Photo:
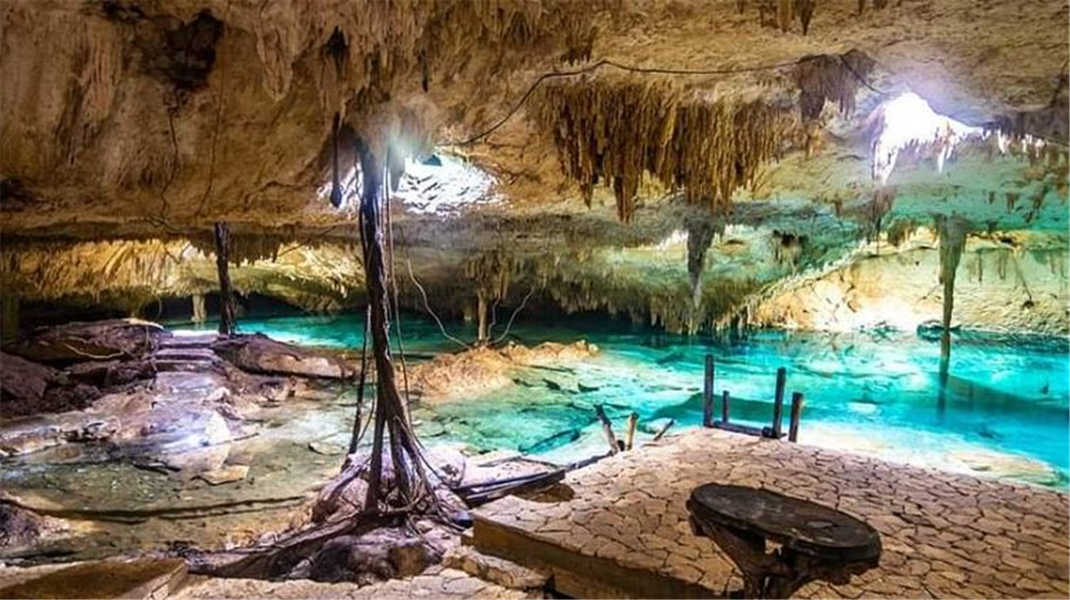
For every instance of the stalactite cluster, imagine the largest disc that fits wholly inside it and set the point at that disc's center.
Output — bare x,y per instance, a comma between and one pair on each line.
617,131
781,14
830,78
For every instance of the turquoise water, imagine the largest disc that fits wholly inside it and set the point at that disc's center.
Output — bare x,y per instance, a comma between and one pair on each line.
1004,412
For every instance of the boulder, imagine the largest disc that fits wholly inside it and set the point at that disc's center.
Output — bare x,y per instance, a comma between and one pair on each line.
187,438
375,556
28,388
225,474
18,526
95,340
258,353
109,373
24,380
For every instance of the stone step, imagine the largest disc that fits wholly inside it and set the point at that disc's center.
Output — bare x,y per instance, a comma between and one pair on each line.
186,353
169,365
202,381
141,579
189,341
493,569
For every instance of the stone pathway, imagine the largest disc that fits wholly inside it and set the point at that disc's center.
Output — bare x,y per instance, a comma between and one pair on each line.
944,535
191,353
100,580
445,584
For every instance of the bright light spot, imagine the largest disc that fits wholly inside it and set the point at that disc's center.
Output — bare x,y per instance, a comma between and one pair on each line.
909,121
444,185
349,183
676,238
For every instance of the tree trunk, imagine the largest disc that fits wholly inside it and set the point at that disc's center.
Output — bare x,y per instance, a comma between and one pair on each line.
226,294
390,418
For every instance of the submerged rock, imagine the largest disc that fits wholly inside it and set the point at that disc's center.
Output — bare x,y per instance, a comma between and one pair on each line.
475,372
225,474
183,438
258,353
1010,466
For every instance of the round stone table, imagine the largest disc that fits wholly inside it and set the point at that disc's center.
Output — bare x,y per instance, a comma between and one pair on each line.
811,541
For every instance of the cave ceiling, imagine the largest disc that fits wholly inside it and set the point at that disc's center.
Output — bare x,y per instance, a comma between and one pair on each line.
152,120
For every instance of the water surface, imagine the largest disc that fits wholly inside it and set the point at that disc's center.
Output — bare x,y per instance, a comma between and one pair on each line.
1003,412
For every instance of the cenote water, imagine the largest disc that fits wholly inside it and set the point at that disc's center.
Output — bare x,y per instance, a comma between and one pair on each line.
1004,411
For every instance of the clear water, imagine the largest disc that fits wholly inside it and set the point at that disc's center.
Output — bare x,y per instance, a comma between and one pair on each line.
1004,412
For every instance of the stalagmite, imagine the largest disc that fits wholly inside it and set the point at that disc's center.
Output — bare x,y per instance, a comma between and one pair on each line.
200,313
226,293
482,335
952,233
9,316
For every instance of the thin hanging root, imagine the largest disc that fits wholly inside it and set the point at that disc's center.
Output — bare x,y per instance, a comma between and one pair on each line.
617,130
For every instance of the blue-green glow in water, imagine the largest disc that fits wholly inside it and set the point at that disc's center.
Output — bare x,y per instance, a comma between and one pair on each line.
1004,412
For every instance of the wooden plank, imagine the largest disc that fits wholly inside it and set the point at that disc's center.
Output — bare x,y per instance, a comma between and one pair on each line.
607,429
629,438
739,428
664,428
724,407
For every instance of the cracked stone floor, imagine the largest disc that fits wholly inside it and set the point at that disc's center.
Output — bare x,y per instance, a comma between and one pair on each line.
944,535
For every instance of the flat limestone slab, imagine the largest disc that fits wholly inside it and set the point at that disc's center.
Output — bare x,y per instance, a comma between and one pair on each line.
105,579
625,531
445,584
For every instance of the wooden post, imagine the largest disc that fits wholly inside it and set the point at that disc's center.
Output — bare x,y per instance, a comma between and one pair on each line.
200,313
707,393
9,316
796,414
778,401
607,429
629,438
664,428
724,407
226,294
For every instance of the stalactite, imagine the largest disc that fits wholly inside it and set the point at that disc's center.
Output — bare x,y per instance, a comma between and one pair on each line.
951,232
618,130
830,78
700,235
336,188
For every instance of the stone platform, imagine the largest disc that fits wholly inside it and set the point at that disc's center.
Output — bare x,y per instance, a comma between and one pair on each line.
167,579
619,528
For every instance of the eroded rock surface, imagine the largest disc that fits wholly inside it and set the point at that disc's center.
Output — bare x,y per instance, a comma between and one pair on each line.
455,377
260,354
28,388
95,340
